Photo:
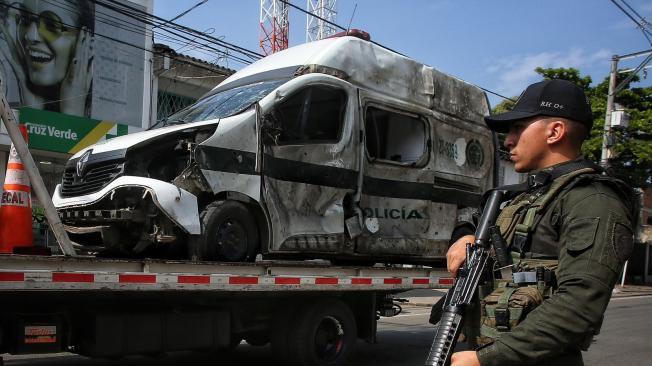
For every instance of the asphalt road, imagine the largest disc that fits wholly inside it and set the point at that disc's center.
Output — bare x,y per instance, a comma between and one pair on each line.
405,340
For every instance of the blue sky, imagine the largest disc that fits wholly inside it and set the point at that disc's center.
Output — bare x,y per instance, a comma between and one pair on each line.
494,44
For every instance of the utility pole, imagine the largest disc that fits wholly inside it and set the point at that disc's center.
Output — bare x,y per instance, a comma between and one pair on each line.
607,140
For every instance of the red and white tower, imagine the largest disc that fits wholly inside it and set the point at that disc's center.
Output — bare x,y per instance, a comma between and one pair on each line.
316,28
274,26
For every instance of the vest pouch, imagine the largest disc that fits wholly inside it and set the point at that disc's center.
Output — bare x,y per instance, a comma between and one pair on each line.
504,308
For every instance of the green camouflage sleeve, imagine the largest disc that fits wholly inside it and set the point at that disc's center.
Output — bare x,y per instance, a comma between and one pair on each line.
595,239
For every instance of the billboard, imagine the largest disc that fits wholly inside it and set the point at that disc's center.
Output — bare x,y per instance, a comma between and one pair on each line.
73,57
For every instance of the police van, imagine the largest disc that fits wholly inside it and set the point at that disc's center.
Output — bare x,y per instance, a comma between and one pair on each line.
336,149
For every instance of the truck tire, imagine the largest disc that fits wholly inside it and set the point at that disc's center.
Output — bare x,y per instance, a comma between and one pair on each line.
228,232
324,334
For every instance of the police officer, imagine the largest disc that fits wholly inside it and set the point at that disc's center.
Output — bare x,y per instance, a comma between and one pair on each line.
587,226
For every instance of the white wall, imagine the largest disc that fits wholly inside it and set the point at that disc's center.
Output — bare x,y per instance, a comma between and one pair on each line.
148,86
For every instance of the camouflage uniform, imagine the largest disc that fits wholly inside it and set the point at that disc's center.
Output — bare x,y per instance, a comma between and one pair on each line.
588,227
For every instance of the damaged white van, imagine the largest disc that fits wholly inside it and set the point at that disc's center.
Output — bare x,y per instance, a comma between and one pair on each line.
337,149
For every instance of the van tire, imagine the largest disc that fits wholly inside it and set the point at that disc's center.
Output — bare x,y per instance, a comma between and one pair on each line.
228,232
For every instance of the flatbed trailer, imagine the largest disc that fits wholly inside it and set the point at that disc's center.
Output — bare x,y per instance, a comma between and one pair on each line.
311,312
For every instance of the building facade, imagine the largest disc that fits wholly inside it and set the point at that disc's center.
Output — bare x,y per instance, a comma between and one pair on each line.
127,84
180,80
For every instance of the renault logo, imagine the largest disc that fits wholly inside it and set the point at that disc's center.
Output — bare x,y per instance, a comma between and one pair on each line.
81,163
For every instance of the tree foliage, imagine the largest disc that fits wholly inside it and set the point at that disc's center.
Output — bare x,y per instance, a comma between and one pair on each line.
633,145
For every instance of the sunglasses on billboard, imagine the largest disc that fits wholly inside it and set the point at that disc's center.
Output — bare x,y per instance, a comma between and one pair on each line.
48,24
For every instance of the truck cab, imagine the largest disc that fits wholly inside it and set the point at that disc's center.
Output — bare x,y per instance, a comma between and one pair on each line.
337,149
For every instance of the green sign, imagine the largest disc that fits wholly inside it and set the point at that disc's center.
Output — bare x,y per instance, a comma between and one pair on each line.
59,132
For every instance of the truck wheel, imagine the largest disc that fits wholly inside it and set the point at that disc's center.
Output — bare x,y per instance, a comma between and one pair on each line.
228,232
325,334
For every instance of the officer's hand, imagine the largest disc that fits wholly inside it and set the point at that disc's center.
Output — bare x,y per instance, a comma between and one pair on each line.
466,358
457,253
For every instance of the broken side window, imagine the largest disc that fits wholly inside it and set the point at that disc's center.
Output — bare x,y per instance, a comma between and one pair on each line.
313,115
395,137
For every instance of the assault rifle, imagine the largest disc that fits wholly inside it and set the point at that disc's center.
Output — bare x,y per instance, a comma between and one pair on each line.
466,283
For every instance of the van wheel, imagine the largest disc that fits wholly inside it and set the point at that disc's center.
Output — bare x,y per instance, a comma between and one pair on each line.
228,232
325,334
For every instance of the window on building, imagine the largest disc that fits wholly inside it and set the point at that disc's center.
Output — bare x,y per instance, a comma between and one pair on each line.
395,137
169,103
313,115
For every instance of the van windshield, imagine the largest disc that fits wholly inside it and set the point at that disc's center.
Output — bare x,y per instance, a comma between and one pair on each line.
223,104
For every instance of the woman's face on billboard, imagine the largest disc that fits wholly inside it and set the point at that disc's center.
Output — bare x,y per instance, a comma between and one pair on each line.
48,34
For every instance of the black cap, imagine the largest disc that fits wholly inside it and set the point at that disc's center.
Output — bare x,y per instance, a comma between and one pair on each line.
554,98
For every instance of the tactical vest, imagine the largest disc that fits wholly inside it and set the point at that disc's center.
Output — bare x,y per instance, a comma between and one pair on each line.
506,302
518,220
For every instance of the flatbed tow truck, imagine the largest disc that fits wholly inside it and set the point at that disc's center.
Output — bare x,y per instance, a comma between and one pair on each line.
311,312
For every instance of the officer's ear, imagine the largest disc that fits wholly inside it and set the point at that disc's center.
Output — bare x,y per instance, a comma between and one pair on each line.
556,131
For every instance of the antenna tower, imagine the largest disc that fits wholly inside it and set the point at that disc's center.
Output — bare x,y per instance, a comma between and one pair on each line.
316,28
274,26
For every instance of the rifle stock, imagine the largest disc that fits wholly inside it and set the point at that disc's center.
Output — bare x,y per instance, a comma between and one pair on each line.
466,283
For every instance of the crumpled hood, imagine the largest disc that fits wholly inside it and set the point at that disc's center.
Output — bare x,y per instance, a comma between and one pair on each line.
127,141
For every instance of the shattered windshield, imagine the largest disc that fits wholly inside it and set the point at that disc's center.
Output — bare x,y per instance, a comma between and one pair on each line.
223,104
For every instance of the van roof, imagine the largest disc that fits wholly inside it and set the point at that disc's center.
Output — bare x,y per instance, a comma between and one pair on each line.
376,68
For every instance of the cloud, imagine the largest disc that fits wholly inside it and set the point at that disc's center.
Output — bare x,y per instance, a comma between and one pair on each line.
517,71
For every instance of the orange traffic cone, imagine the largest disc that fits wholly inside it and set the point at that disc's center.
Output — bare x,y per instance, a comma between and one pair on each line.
16,205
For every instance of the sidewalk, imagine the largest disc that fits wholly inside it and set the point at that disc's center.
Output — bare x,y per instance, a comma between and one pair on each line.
426,299
631,290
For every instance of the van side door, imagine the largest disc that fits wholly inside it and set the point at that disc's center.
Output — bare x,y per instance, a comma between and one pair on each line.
310,163
398,191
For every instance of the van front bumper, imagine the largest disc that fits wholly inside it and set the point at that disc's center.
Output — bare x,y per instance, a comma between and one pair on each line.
177,204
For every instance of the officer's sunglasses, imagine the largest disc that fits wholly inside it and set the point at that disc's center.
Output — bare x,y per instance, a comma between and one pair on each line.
49,24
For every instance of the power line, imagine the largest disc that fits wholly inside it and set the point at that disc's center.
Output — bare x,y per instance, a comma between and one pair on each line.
642,26
496,94
119,41
139,29
233,47
378,44
122,24
314,15
635,12
187,11
335,25
149,22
